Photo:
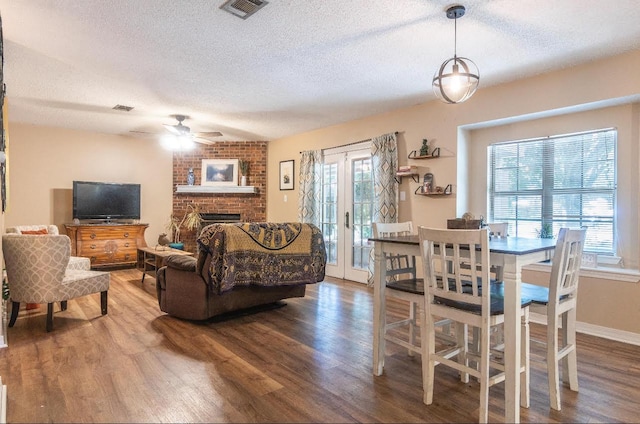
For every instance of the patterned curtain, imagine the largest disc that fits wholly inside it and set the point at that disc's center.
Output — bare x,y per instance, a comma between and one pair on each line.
309,200
384,155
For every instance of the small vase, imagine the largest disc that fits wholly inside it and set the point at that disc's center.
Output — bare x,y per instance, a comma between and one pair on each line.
191,178
243,180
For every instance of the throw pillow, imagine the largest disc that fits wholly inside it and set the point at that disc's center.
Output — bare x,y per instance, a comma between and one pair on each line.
35,232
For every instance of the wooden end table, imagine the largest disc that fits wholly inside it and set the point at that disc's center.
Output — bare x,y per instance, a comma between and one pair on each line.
150,258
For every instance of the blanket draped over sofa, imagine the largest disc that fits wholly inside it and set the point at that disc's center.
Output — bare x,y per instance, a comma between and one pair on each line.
263,253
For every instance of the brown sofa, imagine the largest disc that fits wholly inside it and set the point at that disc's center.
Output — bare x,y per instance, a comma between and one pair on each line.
185,288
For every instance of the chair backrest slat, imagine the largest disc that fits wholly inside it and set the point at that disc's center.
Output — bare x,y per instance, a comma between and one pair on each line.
567,258
396,264
446,255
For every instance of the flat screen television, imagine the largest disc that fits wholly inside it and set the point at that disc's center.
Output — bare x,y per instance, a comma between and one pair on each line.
105,201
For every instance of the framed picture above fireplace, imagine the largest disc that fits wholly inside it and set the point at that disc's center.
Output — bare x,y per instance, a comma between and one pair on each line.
219,172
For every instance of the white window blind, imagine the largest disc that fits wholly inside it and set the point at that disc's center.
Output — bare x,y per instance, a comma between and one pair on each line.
544,184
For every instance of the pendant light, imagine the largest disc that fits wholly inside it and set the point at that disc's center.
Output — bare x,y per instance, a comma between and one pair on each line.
458,78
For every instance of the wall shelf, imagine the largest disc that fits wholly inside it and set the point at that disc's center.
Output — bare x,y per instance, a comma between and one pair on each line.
447,191
414,176
435,154
199,189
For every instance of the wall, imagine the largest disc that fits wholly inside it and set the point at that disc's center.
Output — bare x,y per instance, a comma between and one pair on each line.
563,94
251,207
44,161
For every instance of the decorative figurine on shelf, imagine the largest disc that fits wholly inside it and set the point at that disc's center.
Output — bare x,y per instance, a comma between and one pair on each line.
427,186
424,150
191,178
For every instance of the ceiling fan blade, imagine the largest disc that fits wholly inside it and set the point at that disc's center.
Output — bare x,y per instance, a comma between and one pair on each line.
172,129
209,134
135,133
203,140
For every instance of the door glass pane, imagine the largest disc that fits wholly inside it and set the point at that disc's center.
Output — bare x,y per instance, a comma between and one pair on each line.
330,211
362,211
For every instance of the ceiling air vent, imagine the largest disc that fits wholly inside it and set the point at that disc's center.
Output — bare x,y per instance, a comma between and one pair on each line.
123,108
243,8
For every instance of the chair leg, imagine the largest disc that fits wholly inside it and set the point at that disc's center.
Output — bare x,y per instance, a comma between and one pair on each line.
570,370
525,393
63,305
15,308
49,316
103,302
552,363
428,349
483,368
462,340
412,325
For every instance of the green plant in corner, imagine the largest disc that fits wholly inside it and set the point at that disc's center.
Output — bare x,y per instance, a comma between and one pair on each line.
5,287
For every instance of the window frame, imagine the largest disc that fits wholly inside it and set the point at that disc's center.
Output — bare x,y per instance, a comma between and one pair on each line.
546,190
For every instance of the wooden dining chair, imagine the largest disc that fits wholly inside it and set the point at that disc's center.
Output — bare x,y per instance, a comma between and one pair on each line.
560,299
466,296
498,229
402,283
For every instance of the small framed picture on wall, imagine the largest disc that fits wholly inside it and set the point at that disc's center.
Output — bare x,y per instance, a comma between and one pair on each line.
286,174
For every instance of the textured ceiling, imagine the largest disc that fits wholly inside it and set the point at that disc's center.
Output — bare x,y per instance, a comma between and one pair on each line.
294,66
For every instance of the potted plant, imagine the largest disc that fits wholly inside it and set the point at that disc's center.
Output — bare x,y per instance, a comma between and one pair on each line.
190,221
244,169
546,232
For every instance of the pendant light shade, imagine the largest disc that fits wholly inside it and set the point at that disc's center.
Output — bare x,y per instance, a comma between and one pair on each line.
458,77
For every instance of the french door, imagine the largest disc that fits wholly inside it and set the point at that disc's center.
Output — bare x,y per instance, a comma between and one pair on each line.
347,212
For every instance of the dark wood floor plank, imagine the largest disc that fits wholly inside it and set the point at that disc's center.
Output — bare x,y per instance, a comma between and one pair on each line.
309,361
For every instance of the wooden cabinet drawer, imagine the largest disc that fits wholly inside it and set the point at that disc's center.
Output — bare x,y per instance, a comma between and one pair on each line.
109,251
107,245
108,233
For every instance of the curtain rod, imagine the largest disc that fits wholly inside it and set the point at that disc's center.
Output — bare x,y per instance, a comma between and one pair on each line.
349,144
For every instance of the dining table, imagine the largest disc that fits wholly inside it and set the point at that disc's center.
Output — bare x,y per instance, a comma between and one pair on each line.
510,253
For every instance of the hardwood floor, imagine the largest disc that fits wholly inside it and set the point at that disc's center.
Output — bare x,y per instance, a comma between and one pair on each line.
309,361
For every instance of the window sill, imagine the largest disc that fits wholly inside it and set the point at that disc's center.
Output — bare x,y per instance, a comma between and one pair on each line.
601,272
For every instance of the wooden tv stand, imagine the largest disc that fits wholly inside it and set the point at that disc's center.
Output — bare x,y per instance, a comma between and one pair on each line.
107,245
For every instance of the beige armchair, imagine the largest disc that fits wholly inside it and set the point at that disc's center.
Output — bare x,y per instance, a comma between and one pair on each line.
75,262
37,272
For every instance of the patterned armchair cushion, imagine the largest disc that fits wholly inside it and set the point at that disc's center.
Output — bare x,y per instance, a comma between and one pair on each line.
79,263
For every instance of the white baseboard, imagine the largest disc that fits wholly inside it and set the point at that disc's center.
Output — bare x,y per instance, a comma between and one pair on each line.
595,330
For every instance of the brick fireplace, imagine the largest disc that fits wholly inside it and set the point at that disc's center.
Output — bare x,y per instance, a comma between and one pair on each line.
248,207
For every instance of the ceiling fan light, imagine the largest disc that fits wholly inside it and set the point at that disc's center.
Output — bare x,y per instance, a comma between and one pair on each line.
185,142
177,143
169,142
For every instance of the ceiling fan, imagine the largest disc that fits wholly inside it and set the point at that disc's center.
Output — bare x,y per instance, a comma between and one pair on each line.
180,130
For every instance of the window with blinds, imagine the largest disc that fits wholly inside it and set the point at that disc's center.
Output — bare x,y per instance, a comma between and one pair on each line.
541,185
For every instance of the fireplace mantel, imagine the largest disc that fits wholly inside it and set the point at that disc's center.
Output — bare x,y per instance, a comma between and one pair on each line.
216,189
